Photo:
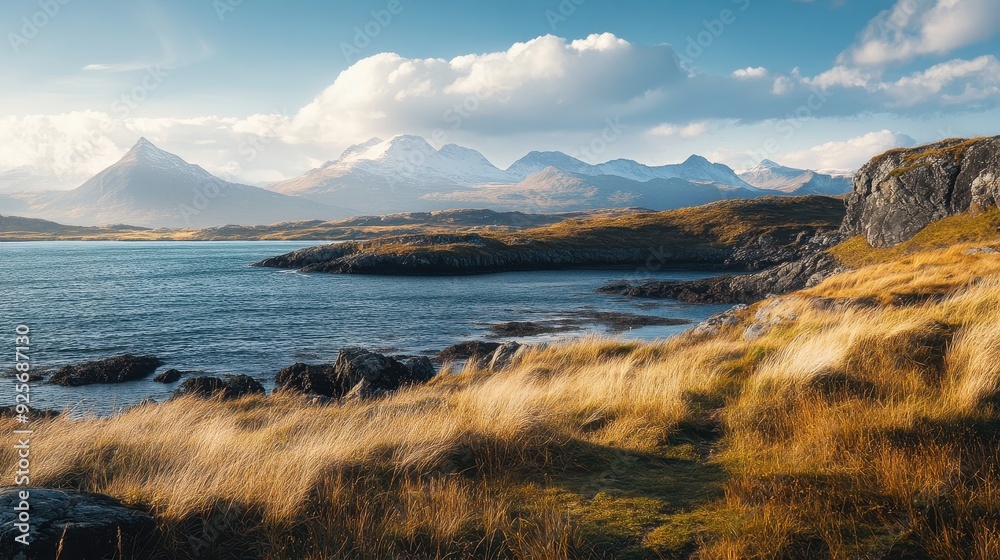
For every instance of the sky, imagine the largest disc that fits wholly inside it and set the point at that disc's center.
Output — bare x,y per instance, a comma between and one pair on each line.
259,91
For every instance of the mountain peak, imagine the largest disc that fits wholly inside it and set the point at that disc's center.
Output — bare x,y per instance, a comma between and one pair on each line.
143,145
145,152
769,164
695,159
358,148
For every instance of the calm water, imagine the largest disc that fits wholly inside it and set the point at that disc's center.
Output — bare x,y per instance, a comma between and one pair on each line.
199,306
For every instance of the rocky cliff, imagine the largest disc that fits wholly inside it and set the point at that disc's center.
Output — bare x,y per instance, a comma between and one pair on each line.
902,191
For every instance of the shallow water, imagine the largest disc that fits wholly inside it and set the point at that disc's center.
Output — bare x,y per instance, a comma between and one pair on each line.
199,306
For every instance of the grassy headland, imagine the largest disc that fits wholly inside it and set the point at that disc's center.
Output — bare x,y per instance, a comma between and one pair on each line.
706,235
14,228
857,424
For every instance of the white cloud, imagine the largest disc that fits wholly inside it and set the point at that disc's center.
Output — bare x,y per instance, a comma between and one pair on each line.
915,28
783,85
841,76
957,81
847,155
535,93
750,73
544,83
692,130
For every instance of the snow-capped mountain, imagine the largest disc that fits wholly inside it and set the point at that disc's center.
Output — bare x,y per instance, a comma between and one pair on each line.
539,161
406,174
153,188
772,176
402,160
555,190
695,169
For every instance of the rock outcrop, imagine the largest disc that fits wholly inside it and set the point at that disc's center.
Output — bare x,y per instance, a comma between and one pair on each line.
475,351
70,524
168,376
111,370
506,356
357,374
307,379
803,272
225,389
902,191
360,373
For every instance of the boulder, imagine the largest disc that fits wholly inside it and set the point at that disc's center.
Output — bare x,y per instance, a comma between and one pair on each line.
421,369
204,387
71,524
506,355
169,376
308,379
380,374
111,370
475,351
902,191
241,386
226,389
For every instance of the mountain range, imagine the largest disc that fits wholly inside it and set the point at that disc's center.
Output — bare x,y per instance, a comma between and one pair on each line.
771,176
152,188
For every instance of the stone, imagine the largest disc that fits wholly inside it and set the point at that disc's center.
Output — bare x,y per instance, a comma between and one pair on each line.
381,374
307,379
169,376
241,386
506,355
85,526
475,351
421,369
204,387
118,369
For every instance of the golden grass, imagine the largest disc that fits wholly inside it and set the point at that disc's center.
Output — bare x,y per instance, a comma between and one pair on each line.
864,424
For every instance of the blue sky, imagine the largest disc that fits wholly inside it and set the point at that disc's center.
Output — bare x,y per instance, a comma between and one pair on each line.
260,91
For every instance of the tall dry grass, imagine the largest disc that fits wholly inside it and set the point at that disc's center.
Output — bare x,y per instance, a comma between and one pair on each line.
860,425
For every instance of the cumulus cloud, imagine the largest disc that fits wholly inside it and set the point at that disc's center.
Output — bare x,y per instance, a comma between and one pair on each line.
953,82
841,76
692,130
545,88
544,83
916,28
849,154
750,73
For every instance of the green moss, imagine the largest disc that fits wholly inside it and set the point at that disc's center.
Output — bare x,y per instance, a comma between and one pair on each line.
953,149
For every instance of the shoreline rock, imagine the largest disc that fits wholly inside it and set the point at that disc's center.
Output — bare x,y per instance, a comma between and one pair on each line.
78,525
118,369
226,389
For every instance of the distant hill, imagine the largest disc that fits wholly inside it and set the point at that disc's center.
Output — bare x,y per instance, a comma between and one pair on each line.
13,228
